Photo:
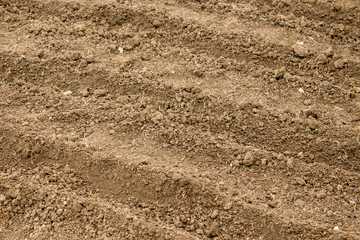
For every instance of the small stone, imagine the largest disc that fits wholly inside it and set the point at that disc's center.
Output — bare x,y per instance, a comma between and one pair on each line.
321,58
279,73
280,157
214,230
214,214
300,154
178,98
329,213
338,64
67,169
300,181
100,93
228,206
287,153
288,76
307,102
66,93
156,23
53,216
84,92
329,52
312,124
264,161
300,202
77,207
59,211
146,56
290,163
112,48
300,50
25,124
249,159
272,204
2,197
15,193
321,194
236,163
357,89
157,117
199,231
41,54
80,27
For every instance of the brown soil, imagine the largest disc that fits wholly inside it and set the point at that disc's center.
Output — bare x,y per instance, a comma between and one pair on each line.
174,119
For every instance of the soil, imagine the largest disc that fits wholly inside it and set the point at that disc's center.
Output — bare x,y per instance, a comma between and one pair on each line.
174,119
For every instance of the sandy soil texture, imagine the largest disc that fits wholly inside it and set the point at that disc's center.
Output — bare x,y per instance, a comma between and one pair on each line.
179,119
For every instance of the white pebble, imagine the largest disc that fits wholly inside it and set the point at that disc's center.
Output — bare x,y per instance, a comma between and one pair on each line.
68,92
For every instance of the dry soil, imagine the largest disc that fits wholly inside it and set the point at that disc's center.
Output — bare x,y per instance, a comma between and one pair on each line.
180,119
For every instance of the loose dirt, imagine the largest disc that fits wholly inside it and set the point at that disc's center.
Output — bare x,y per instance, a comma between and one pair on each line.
201,119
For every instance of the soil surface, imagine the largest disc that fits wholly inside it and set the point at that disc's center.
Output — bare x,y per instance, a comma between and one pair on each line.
180,119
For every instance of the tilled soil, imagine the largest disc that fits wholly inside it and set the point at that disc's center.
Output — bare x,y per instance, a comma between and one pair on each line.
197,119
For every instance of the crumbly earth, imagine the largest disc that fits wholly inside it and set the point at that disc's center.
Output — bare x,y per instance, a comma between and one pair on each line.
174,119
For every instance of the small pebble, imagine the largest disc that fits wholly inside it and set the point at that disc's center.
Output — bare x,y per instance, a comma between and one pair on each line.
300,50
214,214
228,206
329,213
307,102
59,211
156,23
338,64
264,161
157,117
236,163
272,204
290,163
2,197
300,181
66,93
255,110
287,76
321,58
200,231
214,230
249,159
300,202
84,92
321,194
100,93
329,52
279,73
